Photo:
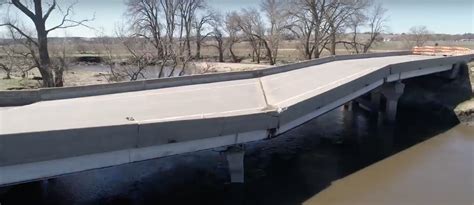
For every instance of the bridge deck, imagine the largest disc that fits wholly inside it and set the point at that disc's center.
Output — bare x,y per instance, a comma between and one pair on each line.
52,138
219,99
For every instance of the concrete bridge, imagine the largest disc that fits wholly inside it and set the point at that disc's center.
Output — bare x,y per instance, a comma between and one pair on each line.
51,132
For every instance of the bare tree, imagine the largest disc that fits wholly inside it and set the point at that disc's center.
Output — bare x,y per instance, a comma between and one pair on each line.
259,36
376,24
311,25
218,35
418,36
199,26
187,11
232,29
373,19
165,24
278,15
39,11
318,23
140,57
251,24
133,66
110,58
60,60
8,64
145,16
338,17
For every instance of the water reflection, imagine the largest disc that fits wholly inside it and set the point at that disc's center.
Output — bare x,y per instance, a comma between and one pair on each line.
285,170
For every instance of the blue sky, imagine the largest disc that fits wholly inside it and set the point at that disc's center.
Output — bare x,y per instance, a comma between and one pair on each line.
440,16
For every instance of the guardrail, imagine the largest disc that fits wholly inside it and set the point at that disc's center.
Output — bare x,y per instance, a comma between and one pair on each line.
24,97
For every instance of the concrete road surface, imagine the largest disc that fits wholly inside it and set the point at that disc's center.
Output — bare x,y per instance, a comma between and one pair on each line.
219,99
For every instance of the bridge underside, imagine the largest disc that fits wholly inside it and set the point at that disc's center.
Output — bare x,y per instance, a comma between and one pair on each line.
73,135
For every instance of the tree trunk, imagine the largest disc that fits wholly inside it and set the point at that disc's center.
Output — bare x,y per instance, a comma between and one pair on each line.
198,48
58,73
307,51
45,61
58,78
258,52
232,54
221,55
308,54
7,70
269,52
220,48
317,54
188,37
333,43
188,45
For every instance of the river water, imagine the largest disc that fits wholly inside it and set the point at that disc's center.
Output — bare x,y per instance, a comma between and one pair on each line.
286,170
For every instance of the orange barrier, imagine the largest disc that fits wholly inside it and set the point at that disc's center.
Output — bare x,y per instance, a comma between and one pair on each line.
441,51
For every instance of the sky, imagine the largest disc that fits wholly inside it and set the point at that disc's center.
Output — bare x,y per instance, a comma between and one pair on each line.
440,16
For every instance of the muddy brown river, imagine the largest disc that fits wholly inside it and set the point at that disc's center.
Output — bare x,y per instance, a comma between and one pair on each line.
290,169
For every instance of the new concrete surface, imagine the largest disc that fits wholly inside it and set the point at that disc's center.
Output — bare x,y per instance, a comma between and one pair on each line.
169,104
222,99
286,89
436,172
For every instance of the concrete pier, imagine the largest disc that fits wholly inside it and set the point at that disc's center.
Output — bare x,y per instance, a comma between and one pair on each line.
235,160
375,98
392,92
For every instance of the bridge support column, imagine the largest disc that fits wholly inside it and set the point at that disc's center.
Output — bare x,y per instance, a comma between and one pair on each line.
392,93
375,98
235,160
370,102
455,71
347,106
352,105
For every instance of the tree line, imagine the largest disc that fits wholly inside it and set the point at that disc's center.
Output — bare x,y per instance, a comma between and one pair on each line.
171,33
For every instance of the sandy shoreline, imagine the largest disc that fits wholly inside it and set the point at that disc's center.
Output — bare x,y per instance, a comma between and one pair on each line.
465,112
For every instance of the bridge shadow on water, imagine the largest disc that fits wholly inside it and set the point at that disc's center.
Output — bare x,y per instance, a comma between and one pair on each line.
286,170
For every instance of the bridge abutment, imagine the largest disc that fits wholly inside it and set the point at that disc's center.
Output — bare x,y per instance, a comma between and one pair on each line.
392,92
235,161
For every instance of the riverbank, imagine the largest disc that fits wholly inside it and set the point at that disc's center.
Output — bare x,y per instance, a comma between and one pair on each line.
465,111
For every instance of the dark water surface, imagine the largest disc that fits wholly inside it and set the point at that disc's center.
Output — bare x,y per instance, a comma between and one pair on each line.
286,170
